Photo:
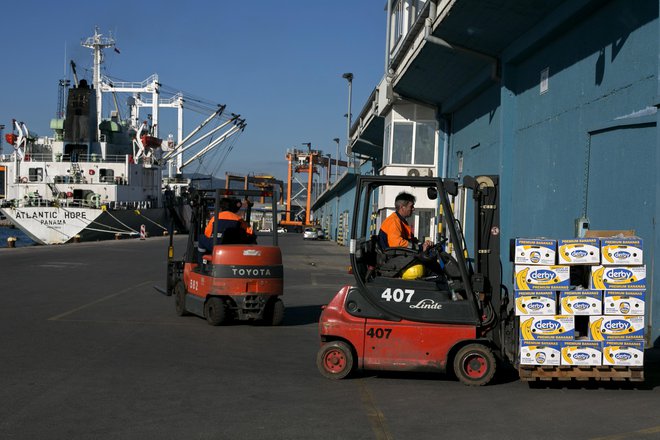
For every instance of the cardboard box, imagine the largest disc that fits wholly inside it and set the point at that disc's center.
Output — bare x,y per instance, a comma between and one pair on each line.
623,353
618,277
553,328
579,251
581,353
624,302
540,352
581,302
604,328
535,303
541,277
535,251
622,251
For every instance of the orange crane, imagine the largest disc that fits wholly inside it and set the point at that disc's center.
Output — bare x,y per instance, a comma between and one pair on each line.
301,161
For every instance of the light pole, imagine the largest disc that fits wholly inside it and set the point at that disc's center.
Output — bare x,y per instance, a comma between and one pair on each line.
349,77
337,163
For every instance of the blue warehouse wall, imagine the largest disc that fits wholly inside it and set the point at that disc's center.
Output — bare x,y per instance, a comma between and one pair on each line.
587,145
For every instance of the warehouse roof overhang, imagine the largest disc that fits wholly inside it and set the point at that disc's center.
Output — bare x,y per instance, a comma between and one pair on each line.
345,182
458,52
367,131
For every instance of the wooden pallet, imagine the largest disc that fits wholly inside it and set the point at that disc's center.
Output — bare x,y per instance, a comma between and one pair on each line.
543,373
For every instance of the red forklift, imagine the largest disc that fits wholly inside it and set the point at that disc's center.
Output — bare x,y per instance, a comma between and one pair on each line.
233,282
454,321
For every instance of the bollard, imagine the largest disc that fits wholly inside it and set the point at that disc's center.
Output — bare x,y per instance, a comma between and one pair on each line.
117,236
143,232
11,242
76,238
165,233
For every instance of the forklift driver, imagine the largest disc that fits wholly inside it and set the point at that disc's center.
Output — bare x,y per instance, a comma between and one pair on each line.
395,232
232,229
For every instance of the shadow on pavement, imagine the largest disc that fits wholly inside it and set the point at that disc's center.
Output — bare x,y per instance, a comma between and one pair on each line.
301,315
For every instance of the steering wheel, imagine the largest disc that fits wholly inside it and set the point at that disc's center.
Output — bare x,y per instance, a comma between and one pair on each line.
432,253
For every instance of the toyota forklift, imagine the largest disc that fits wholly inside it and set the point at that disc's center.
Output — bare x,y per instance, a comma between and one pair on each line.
233,282
453,321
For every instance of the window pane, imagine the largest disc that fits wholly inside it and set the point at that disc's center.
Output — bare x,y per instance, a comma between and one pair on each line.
386,147
425,143
402,143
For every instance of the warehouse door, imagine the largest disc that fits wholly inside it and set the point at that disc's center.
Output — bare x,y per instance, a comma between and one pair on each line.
621,190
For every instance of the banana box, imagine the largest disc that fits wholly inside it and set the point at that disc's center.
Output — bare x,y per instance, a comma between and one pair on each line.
544,328
624,302
535,251
541,277
623,353
618,277
605,328
581,353
579,251
535,303
540,352
581,302
621,251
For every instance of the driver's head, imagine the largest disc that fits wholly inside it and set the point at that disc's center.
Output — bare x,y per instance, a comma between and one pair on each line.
404,204
230,204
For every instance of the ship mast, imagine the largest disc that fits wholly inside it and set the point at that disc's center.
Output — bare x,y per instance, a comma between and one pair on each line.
97,43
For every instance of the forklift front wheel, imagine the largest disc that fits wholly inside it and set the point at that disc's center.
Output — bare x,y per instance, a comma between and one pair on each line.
215,311
474,365
335,360
180,298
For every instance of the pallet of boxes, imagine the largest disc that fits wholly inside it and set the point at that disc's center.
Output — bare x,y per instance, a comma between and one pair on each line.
580,306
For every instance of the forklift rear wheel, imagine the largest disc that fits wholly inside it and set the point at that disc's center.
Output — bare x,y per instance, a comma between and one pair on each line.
180,298
275,312
215,310
474,365
335,360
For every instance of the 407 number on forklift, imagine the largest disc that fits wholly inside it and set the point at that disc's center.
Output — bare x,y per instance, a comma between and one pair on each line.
379,333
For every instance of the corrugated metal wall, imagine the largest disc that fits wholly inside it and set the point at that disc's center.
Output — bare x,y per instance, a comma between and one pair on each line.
585,146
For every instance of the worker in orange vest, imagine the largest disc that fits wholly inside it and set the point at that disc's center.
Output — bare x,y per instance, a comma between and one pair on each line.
395,230
231,229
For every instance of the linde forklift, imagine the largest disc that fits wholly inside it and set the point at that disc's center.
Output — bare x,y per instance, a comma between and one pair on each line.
454,321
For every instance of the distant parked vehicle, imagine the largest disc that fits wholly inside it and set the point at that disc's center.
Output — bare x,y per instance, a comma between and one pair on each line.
320,234
281,230
265,230
310,234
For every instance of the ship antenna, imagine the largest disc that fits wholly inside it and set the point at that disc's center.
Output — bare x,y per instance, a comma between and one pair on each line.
97,43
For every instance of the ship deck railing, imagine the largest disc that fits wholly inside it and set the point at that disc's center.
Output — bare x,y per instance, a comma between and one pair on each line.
78,203
57,157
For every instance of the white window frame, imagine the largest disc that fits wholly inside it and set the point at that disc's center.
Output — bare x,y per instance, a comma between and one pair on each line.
388,141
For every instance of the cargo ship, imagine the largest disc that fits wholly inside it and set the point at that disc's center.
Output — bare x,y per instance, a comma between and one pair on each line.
98,178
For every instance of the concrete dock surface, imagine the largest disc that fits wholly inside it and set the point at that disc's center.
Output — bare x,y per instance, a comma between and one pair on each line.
90,350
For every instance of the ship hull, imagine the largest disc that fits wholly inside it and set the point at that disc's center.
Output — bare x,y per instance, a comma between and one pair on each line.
58,225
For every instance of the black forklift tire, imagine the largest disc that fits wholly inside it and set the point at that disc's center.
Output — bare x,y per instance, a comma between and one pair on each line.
276,312
335,360
215,311
180,298
475,365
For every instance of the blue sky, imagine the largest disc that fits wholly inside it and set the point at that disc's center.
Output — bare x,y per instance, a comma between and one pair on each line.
277,63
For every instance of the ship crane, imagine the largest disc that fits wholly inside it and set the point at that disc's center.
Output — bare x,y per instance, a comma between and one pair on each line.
238,126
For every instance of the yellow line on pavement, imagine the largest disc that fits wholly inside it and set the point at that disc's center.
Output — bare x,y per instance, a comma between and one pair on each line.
631,435
100,300
376,417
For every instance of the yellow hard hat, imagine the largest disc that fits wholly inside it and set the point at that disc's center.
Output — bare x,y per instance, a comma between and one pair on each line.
414,272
